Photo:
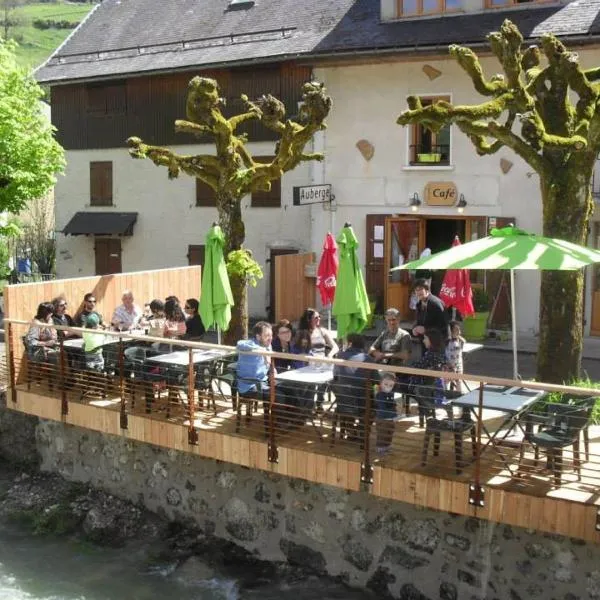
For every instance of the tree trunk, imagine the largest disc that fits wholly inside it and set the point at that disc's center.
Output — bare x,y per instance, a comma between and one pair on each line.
567,206
230,220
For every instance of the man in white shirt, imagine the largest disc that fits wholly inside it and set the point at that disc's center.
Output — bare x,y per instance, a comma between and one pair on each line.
127,314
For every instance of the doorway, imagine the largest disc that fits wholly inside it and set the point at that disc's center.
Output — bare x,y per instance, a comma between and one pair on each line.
108,256
439,235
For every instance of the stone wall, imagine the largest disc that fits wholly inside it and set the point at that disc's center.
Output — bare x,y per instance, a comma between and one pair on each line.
395,549
17,436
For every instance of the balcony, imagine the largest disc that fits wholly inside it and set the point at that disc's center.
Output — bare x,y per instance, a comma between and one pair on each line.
476,465
428,155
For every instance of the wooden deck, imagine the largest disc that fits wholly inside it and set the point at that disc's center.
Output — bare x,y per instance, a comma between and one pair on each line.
527,499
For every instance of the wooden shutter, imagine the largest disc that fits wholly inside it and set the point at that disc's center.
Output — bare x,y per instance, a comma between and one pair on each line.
101,183
205,195
270,199
108,256
196,254
374,264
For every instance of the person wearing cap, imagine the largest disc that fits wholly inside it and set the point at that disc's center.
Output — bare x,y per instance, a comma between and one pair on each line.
92,343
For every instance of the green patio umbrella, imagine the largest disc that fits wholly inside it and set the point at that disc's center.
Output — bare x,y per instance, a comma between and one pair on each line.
510,248
351,304
216,298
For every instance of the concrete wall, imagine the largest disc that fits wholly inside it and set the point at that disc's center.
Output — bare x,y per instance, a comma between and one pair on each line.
168,219
395,549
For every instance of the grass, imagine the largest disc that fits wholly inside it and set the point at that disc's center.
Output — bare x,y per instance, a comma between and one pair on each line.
36,45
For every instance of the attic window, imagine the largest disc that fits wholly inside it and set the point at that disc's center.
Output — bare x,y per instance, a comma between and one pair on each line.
240,4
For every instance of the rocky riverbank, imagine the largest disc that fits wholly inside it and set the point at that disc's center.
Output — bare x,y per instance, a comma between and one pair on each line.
50,506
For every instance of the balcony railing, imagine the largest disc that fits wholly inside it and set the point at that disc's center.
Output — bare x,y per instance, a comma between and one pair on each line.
429,155
481,446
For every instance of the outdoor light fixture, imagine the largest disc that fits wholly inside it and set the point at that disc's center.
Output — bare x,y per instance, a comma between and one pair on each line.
461,204
415,202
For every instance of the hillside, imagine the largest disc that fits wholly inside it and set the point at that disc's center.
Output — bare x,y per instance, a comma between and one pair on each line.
35,45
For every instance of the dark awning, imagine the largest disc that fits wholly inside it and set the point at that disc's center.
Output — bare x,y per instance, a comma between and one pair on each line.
101,223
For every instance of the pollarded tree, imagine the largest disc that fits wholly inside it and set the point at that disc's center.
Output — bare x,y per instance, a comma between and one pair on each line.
232,172
544,108
30,157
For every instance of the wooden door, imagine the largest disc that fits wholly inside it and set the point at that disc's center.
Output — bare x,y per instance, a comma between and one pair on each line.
108,256
404,241
374,255
295,290
271,309
595,322
196,253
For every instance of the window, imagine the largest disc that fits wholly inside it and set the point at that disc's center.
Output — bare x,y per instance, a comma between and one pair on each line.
501,3
427,148
195,254
270,199
414,8
205,195
101,183
106,99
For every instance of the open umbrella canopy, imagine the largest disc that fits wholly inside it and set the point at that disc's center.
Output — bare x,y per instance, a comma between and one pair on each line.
351,304
456,288
510,248
327,271
216,298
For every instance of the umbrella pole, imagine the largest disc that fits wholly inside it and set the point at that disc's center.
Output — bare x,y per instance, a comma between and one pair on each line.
513,308
218,335
329,318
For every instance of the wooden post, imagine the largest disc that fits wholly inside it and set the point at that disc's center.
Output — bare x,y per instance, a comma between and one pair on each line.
366,469
192,433
476,491
124,420
11,363
272,446
64,404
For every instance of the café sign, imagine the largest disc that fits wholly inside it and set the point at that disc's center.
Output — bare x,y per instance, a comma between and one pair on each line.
441,193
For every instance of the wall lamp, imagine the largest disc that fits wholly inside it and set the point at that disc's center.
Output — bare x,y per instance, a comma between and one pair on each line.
414,202
461,204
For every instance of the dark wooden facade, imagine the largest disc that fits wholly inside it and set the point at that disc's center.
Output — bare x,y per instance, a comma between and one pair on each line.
105,114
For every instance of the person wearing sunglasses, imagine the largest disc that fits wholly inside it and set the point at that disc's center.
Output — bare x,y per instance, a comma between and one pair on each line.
89,307
61,317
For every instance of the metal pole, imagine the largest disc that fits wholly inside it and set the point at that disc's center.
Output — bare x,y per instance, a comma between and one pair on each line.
513,308
476,492
192,433
64,405
124,422
11,364
366,471
273,453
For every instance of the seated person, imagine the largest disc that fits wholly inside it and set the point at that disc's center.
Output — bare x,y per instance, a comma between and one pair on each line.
350,386
128,314
194,328
60,317
155,323
253,369
89,307
393,345
146,314
92,344
41,341
283,342
174,319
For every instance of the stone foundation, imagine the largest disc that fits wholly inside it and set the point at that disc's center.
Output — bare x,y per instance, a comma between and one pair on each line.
396,550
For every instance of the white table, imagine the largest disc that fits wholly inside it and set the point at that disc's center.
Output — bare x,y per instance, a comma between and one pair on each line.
77,343
181,358
469,347
309,375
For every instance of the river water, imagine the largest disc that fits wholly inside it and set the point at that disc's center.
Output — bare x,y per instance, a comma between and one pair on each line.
50,568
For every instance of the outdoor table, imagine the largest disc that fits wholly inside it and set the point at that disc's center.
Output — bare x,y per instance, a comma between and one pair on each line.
309,375
514,402
469,347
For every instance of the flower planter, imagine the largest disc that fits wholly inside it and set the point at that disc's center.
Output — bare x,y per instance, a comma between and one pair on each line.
475,327
429,158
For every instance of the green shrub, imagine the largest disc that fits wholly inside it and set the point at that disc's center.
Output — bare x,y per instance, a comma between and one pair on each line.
560,398
481,300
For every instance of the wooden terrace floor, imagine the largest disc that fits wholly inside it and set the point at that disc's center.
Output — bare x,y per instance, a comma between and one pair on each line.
527,499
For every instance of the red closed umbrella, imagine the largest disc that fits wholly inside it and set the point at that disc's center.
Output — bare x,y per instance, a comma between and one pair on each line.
327,271
456,288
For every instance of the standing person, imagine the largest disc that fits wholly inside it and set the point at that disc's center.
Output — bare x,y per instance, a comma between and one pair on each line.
60,317
393,346
321,342
128,314
385,413
454,354
92,344
431,312
41,340
89,307
194,327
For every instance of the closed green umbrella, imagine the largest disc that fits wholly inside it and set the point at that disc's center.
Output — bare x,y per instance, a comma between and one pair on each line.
351,304
510,248
216,298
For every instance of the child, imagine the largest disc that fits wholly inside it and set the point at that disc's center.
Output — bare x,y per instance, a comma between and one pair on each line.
92,344
454,354
385,413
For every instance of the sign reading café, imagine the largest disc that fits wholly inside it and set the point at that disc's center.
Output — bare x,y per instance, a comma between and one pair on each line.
441,193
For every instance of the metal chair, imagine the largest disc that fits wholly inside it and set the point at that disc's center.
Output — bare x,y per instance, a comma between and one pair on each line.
565,425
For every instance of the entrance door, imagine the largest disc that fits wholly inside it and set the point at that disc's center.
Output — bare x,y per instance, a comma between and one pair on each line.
404,241
293,289
271,309
108,256
595,325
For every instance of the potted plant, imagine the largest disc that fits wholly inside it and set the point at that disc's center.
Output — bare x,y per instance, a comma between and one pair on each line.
429,157
475,326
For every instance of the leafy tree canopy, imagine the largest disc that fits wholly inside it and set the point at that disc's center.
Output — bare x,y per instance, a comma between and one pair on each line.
30,157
